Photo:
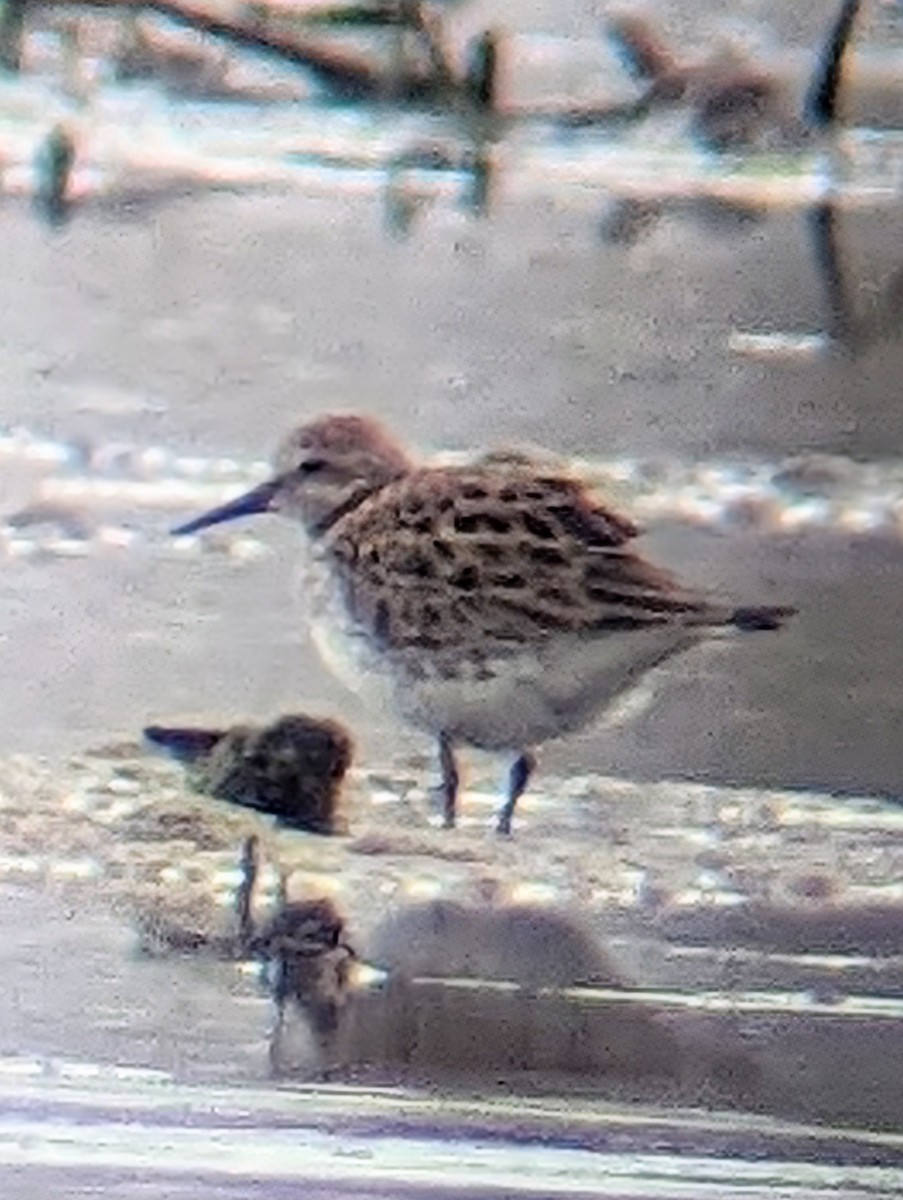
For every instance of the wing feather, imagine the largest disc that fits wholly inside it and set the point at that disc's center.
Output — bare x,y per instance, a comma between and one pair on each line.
497,552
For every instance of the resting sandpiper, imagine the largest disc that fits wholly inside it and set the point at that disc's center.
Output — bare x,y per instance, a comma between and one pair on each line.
292,769
498,605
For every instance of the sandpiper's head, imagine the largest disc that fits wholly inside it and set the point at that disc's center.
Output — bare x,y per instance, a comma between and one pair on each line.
323,470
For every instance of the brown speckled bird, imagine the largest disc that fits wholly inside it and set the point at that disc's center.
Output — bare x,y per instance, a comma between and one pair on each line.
499,604
292,769
735,104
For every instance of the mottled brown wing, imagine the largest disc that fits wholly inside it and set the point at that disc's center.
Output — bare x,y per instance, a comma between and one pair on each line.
496,552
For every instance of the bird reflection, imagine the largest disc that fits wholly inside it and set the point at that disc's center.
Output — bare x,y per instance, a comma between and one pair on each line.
307,960
627,221
852,331
54,163
847,329
408,193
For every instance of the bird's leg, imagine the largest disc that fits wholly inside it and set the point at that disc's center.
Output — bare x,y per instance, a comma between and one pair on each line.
450,780
277,1063
248,865
277,1034
521,771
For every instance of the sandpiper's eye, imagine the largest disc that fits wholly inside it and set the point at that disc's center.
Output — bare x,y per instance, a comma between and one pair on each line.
310,466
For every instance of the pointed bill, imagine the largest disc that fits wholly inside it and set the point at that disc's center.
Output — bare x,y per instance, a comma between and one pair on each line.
258,500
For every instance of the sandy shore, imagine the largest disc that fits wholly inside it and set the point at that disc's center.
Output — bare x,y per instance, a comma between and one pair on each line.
691,913
709,930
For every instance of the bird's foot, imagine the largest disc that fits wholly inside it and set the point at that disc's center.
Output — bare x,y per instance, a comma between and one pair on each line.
503,824
439,806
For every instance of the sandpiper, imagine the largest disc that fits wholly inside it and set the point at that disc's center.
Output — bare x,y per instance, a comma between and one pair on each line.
736,104
292,769
498,605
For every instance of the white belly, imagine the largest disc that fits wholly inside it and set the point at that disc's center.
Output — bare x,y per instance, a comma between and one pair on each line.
344,650
536,696
522,699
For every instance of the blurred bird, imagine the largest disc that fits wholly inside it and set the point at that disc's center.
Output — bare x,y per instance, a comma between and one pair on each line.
735,104
292,769
307,958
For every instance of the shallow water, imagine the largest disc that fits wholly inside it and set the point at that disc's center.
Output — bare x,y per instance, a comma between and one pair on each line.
231,270
210,330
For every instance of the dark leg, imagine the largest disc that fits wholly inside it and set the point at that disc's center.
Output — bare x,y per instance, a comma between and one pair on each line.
450,780
12,28
248,865
820,108
277,1062
517,785
279,984
830,261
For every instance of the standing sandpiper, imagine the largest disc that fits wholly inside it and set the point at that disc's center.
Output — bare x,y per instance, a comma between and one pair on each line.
498,604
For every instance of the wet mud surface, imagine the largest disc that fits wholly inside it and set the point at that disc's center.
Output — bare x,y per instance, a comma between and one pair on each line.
724,868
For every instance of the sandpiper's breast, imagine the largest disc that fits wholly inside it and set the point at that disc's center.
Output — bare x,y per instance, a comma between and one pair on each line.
343,646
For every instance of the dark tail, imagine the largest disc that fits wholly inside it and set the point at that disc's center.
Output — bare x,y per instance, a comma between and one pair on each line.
185,745
760,617
820,106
